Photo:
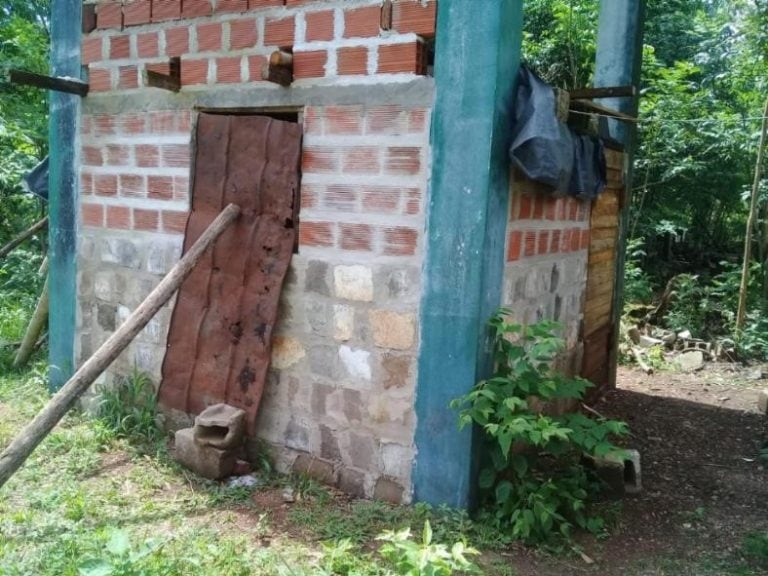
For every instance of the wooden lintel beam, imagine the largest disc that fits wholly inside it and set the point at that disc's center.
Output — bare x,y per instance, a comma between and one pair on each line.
68,85
592,108
170,81
606,92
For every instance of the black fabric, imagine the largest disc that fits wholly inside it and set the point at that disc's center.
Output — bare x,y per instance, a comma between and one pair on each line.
546,150
36,181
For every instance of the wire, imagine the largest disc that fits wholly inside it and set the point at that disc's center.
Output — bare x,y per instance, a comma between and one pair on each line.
673,120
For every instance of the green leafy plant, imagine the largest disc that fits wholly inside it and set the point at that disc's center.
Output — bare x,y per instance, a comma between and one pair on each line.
129,408
425,558
119,557
532,477
638,287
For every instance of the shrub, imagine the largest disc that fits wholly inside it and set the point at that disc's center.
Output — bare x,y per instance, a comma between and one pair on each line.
532,476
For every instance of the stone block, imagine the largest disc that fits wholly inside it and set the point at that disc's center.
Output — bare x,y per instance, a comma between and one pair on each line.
762,401
352,405
314,468
396,460
357,363
122,252
362,451
324,361
392,329
316,280
398,283
329,444
105,316
221,426
343,322
620,475
320,393
388,490
206,461
286,352
318,315
297,436
397,370
353,283
103,286
352,482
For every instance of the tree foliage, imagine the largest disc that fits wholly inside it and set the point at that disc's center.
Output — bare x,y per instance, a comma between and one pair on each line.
24,43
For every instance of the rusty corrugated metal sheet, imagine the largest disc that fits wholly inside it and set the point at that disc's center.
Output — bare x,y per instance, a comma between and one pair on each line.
220,339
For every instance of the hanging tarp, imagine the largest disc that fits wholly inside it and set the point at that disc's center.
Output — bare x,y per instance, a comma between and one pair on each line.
36,180
546,150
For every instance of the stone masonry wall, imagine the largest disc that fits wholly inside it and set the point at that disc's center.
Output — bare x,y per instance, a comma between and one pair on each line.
546,263
339,400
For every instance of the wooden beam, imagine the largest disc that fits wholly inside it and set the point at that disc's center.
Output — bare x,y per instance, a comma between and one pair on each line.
592,108
280,68
170,81
386,15
68,85
89,18
27,440
607,92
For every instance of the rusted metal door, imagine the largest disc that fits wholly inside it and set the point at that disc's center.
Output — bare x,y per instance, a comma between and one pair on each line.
219,343
601,276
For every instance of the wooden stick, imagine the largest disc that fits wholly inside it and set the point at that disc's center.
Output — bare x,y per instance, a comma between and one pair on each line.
741,312
605,92
27,440
68,85
13,244
640,362
170,81
34,329
592,108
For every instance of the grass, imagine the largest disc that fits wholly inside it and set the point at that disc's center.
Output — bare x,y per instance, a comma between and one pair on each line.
90,502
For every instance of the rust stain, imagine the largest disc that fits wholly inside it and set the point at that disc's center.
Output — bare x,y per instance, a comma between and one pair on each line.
220,339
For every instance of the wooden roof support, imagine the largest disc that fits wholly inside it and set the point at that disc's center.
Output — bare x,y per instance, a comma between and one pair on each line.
280,68
592,108
68,85
606,92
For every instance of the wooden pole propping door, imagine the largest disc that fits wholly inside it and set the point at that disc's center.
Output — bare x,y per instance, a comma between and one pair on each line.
220,340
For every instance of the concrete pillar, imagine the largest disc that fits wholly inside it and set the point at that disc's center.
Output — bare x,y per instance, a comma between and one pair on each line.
618,63
619,56
477,61
66,16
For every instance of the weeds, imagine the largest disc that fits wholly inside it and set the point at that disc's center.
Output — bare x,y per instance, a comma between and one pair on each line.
129,409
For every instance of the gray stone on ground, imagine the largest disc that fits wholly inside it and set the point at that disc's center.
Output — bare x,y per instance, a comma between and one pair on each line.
691,361
762,401
221,426
206,461
648,342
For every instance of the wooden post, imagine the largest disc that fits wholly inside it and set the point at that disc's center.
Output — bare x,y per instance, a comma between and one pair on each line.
742,310
27,440
34,329
16,242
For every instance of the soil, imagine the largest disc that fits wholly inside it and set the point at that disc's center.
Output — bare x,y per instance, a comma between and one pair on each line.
704,485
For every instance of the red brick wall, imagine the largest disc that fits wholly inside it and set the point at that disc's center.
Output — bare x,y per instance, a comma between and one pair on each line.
229,41
134,171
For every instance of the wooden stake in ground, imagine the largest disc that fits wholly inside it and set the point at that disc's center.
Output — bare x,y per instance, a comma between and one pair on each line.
27,440
34,329
742,310
13,244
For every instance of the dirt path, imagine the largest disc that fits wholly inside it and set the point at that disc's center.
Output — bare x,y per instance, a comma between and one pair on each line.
705,487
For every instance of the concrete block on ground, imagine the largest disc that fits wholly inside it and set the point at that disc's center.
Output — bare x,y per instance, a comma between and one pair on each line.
762,401
207,461
221,426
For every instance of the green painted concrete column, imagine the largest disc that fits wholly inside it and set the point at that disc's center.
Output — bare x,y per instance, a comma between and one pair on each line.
66,18
618,63
477,61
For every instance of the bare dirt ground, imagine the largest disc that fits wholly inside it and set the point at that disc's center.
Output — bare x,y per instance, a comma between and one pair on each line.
705,487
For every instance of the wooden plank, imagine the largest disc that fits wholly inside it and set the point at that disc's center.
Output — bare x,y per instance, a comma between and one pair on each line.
596,291
21,238
605,255
605,221
170,81
68,85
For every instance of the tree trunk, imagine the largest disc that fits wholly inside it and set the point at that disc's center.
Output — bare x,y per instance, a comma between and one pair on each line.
27,440
742,310
34,329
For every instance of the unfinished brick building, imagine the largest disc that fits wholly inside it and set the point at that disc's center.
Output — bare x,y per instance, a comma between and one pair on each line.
347,307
